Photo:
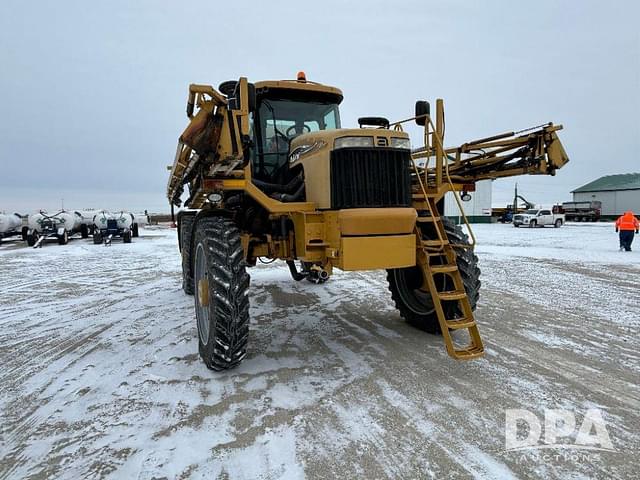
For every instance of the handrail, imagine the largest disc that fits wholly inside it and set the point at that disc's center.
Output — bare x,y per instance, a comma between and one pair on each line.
446,169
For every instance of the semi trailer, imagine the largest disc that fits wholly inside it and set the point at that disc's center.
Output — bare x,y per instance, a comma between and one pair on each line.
582,211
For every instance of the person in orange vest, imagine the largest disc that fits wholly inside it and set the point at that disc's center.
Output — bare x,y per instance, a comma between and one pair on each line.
627,224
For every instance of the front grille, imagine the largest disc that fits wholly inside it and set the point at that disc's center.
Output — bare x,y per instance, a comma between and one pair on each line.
370,177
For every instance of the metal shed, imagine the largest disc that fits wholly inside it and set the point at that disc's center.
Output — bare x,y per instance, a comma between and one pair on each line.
618,193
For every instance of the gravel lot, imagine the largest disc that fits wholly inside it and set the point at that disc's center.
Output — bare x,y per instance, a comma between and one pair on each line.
101,375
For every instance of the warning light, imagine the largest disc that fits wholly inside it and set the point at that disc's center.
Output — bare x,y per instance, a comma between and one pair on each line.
302,77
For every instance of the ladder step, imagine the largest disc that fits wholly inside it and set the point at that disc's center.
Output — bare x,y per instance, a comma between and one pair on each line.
434,243
443,268
468,353
460,323
452,295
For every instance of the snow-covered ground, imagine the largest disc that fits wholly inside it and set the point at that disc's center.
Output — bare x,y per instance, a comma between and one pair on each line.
100,375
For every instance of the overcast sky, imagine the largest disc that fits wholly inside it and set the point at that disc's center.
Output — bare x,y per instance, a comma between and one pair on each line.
93,94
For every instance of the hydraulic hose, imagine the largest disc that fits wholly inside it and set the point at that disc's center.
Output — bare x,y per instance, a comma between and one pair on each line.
297,276
294,197
270,188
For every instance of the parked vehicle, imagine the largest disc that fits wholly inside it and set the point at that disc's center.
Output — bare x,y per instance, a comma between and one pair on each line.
582,211
61,226
10,225
108,225
538,218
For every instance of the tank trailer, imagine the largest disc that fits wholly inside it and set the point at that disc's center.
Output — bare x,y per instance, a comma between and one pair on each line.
60,226
107,225
11,225
270,172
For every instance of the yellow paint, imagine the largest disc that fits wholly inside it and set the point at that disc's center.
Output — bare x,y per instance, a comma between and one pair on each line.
374,253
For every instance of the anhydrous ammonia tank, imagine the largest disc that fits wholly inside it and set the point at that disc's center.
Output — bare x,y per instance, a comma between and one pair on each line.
140,218
100,219
86,216
124,219
86,221
9,223
42,221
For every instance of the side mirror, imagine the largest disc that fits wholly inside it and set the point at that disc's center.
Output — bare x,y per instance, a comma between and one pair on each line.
422,110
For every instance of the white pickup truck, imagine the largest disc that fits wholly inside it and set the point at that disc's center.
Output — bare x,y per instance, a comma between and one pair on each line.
538,218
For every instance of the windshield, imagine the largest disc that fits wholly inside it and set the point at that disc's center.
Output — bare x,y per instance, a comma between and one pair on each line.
280,121
531,212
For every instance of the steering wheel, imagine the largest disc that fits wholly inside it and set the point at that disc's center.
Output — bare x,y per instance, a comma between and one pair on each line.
292,127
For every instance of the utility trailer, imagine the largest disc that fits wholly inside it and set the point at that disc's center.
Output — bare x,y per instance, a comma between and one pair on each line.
268,171
582,211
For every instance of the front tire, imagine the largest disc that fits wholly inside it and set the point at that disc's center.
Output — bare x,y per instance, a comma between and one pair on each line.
558,223
221,293
126,236
84,231
415,305
135,230
97,237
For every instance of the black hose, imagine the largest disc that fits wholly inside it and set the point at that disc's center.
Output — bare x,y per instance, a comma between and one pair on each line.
269,188
297,276
285,197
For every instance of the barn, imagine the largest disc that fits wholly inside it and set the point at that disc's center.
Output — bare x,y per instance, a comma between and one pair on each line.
618,193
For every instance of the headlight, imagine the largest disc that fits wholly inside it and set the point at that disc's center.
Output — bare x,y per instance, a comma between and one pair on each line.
348,142
401,143
215,197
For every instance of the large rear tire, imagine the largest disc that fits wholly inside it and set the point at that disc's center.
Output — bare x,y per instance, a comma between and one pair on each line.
84,231
126,236
135,231
186,230
97,237
222,293
415,305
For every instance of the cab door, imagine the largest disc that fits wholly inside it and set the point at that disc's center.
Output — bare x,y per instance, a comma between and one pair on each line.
546,217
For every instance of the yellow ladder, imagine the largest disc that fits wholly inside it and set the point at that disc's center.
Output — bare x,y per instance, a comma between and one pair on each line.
442,250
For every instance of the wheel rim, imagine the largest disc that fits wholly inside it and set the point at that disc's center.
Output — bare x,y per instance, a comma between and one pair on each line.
202,311
409,282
